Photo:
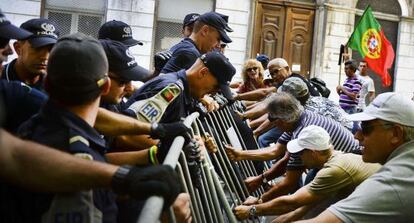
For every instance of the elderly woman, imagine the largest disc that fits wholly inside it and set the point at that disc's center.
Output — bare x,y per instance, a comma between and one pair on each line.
252,75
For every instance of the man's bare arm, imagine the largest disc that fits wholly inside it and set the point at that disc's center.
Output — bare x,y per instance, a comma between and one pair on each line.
255,95
265,154
324,217
45,169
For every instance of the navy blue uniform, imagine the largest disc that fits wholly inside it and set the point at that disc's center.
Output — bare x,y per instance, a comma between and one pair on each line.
58,128
184,55
20,103
181,107
9,73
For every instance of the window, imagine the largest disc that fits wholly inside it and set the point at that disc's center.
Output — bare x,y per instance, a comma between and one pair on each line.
85,16
170,19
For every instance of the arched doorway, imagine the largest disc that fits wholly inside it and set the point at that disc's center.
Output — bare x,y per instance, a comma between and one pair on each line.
390,27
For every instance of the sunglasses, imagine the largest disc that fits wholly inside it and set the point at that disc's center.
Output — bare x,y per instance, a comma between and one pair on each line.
251,69
223,45
367,129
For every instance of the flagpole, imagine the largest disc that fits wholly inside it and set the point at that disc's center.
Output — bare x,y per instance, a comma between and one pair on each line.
341,52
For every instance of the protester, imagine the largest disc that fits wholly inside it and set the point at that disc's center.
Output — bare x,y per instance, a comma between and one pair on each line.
349,91
252,75
388,139
286,113
339,174
367,88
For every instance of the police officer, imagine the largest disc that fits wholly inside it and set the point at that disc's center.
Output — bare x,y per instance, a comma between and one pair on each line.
188,23
76,79
172,96
33,53
209,29
122,70
11,92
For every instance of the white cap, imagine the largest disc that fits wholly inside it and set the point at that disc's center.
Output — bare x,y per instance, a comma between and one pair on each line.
390,107
280,62
312,137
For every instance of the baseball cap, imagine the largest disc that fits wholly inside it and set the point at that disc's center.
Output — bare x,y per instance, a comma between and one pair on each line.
280,62
77,63
222,69
122,62
390,107
10,31
190,19
214,19
226,18
311,137
44,32
119,31
294,86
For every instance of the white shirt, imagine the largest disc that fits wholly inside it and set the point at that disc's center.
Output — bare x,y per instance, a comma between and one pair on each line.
367,86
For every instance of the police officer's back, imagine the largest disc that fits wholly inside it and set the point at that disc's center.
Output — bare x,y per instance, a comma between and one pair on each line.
76,78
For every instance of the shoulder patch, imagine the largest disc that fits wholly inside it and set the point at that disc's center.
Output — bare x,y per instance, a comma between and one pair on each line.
85,156
152,109
79,138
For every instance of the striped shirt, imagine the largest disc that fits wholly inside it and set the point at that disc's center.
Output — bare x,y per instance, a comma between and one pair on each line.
352,85
341,138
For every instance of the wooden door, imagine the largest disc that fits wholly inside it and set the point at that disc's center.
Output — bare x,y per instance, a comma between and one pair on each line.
283,29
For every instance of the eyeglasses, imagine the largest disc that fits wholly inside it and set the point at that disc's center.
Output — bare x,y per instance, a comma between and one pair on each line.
251,69
367,129
223,45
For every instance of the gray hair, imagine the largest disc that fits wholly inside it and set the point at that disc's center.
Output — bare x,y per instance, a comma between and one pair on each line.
408,131
285,107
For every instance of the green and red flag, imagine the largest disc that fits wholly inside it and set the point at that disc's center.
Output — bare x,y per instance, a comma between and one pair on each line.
369,39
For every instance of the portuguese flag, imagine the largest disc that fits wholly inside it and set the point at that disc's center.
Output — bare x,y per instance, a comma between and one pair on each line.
369,39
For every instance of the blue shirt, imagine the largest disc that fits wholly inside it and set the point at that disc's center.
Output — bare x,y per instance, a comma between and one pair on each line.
9,73
184,55
57,128
20,103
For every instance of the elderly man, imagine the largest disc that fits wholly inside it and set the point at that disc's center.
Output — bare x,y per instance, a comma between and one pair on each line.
338,176
387,134
287,114
280,71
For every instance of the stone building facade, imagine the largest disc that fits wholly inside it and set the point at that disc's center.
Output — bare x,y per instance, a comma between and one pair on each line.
152,21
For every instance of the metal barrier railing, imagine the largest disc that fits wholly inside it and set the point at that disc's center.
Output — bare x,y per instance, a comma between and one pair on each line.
220,182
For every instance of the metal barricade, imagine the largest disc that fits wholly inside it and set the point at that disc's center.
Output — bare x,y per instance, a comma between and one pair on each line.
220,182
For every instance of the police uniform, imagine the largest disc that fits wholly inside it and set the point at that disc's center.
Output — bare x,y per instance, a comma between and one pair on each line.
59,128
181,106
9,73
20,103
184,54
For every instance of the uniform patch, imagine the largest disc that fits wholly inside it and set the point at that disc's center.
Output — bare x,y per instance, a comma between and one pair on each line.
152,109
85,156
79,138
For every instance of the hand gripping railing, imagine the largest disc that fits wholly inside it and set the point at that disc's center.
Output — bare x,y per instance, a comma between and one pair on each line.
153,206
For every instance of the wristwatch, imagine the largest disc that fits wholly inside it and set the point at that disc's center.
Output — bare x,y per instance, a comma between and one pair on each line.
264,180
118,182
252,211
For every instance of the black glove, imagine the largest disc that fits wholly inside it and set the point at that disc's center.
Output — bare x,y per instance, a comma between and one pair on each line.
141,183
169,130
161,58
